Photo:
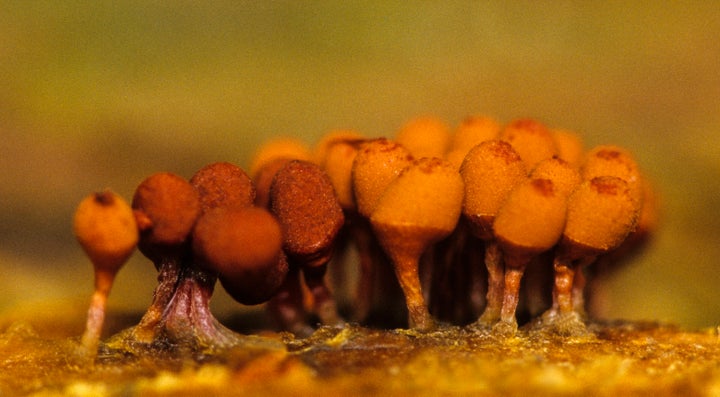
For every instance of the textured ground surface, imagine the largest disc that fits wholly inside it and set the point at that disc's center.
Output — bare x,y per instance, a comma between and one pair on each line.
613,359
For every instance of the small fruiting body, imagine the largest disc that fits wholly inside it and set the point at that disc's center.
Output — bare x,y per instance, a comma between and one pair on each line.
564,175
538,277
305,203
105,227
263,180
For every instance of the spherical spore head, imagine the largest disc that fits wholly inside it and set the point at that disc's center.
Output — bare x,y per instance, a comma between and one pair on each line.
105,227
243,246
166,207
223,184
304,202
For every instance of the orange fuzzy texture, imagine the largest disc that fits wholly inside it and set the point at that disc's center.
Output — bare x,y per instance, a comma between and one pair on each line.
418,208
303,200
601,213
428,194
565,177
280,148
531,140
614,161
471,132
532,218
570,146
490,171
223,185
166,207
647,223
425,137
105,227
378,162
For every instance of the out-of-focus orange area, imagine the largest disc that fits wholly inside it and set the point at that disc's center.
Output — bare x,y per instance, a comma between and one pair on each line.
102,94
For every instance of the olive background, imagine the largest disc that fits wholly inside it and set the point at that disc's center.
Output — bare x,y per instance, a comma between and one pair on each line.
97,94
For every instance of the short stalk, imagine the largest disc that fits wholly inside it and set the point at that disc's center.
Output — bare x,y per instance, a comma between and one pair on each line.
496,282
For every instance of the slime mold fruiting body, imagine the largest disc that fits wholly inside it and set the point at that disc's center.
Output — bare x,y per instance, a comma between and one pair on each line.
522,201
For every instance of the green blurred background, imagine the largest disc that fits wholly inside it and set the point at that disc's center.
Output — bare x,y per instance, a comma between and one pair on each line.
97,94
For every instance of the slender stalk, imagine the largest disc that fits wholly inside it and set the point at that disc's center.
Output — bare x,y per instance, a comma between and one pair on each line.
96,312
496,284
168,276
562,292
287,305
513,276
323,301
406,270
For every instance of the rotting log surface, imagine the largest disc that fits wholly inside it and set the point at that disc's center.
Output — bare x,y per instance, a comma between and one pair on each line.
617,358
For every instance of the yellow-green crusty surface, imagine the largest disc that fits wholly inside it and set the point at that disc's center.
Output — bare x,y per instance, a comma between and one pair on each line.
612,359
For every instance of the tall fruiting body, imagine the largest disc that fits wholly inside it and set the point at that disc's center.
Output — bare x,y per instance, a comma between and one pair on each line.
306,206
453,273
609,160
378,162
529,223
166,207
336,153
190,230
537,282
420,207
601,272
490,171
601,213
106,230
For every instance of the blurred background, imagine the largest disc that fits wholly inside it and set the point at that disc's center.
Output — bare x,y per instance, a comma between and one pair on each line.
97,94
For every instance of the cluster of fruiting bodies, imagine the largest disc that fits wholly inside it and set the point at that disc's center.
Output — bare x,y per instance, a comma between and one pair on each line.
459,215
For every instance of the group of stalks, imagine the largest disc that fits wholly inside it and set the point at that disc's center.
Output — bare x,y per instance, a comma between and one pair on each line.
462,218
